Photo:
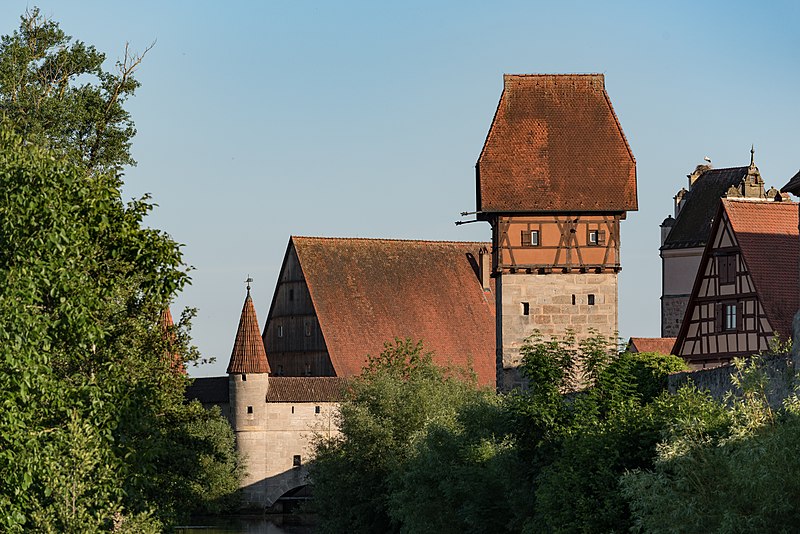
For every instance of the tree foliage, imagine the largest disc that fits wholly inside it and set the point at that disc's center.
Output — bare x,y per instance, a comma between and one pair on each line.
55,93
94,431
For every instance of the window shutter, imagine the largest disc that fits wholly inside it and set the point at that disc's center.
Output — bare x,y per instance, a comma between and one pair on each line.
732,268
526,238
739,318
719,319
601,237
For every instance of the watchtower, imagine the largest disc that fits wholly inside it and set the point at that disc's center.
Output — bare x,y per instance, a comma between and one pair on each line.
248,382
554,179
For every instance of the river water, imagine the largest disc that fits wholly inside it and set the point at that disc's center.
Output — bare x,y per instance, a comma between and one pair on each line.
267,524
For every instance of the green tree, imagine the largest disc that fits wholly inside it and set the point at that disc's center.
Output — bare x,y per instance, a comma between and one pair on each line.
398,397
55,93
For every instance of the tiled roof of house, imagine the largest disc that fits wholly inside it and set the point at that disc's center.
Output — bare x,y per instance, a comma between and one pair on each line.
211,390
369,291
306,389
793,186
555,144
248,355
768,239
166,323
693,224
661,345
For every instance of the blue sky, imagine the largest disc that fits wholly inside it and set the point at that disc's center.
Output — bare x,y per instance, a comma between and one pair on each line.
259,120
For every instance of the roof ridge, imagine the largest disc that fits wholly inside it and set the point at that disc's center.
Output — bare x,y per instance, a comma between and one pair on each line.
551,74
390,239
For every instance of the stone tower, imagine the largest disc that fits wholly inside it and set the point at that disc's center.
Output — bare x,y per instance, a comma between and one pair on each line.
554,179
248,382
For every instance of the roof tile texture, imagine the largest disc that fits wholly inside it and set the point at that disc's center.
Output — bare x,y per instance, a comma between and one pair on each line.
306,389
661,345
768,239
693,225
248,355
366,292
555,144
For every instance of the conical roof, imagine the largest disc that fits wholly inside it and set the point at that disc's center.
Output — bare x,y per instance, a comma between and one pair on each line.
248,355
166,323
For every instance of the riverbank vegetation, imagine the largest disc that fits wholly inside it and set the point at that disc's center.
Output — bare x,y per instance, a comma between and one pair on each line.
622,455
94,431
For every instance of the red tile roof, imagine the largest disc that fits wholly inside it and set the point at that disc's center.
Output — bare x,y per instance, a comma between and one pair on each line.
369,291
166,323
248,355
306,389
555,144
768,239
661,345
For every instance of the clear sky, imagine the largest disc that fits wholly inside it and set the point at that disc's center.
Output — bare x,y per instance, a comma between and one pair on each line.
260,120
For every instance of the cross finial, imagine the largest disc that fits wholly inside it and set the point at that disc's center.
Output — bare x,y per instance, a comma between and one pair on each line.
248,281
752,154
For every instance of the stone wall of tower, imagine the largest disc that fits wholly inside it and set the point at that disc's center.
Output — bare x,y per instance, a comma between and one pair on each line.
673,309
554,303
248,416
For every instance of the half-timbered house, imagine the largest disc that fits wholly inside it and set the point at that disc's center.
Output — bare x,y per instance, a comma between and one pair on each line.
745,292
684,236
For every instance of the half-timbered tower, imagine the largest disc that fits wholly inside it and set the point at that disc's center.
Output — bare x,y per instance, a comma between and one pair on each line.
684,236
745,292
554,179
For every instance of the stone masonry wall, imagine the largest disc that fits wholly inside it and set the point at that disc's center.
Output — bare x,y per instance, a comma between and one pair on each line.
672,310
555,303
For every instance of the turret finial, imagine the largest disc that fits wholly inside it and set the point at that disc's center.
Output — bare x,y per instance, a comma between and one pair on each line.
248,281
752,154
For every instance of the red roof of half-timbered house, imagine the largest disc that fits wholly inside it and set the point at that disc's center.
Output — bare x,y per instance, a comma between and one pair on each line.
768,239
366,292
662,345
555,144
248,355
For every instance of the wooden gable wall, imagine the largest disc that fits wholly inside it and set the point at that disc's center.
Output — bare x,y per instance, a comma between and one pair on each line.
724,318
292,335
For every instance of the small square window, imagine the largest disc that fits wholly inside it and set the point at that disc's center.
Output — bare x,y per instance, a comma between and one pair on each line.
596,237
244,377
593,237
526,308
249,409
530,238
591,300
316,409
730,317
280,330
296,461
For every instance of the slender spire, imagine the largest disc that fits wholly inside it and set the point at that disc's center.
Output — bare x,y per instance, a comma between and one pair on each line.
248,355
752,155
166,323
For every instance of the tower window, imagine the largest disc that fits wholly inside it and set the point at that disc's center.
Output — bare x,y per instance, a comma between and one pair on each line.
244,377
308,369
292,409
296,461
530,238
308,329
316,409
526,308
280,330
591,300
291,294
280,373
249,409
596,237
573,300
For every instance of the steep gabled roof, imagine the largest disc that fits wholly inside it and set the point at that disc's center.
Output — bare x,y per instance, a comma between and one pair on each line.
693,224
555,144
366,292
248,355
768,239
793,186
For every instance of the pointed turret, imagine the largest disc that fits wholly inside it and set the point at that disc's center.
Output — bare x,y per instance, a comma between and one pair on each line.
166,323
248,355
